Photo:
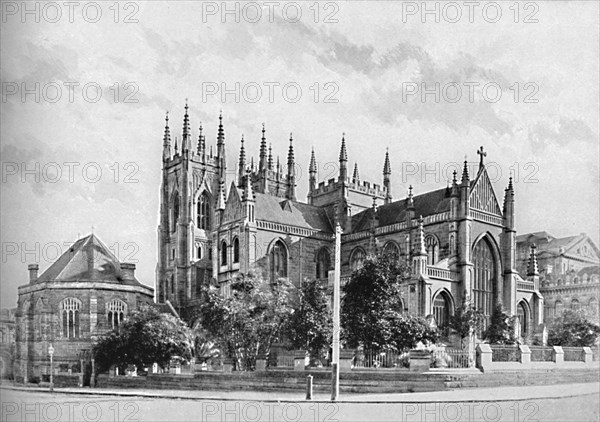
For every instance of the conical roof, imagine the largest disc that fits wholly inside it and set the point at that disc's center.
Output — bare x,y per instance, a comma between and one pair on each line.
87,260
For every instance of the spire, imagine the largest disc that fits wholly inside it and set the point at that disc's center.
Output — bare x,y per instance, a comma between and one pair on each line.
454,189
242,164
343,153
355,175
201,148
221,132
221,199
248,190
167,139
278,169
532,267
290,156
262,164
387,169
185,141
176,147
312,168
411,203
465,174
270,162
291,172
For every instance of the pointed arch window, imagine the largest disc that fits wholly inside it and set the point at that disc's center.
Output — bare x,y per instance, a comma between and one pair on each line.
356,259
392,251
203,212
523,317
574,304
432,247
441,310
278,257
70,313
176,210
323,264
223,253
115,313
236,250
484,282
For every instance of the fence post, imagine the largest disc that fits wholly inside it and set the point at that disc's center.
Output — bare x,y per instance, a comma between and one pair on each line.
420,360
299,360
525,353
309,387
559,355
588,356
484,357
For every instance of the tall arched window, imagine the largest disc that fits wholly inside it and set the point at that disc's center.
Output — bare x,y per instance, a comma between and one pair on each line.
176,209
432,246
523,317
199,252
115,313
223,253
203,212
558,308
441,310
323,264
593,308
278,261
356,258
484,283
236,250
574,304
392,251
70,310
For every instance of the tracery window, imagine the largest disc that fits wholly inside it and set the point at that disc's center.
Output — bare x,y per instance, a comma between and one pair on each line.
278,258
392,251
323,264
115,313
484,283
70,313
203,212
432,247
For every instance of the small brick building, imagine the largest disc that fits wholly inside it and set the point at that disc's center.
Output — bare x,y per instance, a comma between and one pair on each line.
86,292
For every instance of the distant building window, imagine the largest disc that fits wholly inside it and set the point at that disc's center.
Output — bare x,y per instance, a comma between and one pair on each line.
203,212
323,264
432,247
278,257
115,313
357,258
574,304
391,251
223,253
176,208
558,308
70,313
236,250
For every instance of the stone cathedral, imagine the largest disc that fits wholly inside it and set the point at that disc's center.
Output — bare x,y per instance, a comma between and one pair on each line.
459,240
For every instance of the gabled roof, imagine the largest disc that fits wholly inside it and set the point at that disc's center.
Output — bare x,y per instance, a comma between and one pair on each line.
283,211
88,259
428,203
549,245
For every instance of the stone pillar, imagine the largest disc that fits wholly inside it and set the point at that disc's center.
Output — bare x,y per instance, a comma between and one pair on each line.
299,360
420,360
346,360
559,355
484,357
588,356
525,353
228,365
261,363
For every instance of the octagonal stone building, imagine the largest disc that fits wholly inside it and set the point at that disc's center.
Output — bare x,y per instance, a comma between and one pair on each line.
84,293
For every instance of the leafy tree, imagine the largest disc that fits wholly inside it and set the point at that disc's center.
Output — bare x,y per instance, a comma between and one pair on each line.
247,322
572,328
144,338
466,321
501,329
311,324
371,313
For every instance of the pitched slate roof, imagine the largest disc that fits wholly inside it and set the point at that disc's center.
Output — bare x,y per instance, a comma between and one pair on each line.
283,211
88,259
428,203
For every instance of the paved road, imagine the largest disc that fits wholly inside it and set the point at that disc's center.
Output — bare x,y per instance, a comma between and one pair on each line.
560,406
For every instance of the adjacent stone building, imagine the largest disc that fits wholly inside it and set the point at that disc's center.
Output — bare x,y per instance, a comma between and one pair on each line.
569,272
7,342
460,240
86,292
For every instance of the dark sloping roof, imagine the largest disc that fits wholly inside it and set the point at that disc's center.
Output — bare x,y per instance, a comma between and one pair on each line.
428,203
88,259
283,211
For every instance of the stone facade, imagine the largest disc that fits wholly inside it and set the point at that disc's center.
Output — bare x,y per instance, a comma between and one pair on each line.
569,272
86,292
7,341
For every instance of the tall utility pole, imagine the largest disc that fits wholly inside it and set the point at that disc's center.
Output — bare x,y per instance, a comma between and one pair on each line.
335,358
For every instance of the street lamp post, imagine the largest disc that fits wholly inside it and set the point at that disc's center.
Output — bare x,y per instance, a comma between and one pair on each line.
335,361
51,353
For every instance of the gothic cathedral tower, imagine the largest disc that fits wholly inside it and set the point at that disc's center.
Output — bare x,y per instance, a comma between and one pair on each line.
193,183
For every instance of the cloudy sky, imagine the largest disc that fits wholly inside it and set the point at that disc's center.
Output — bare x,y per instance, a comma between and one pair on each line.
84,93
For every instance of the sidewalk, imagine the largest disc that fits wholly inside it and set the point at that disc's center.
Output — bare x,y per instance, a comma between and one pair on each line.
495,394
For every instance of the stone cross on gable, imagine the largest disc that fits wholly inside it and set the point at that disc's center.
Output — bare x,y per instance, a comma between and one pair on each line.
481,155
